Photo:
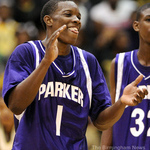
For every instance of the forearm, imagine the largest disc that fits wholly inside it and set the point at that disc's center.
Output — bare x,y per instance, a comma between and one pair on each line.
106,139
108,117
24,93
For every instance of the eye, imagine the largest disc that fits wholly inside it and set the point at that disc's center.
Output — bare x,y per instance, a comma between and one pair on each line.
68,14
148,19
79,17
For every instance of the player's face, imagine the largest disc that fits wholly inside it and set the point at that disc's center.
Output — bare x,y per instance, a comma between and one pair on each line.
144,26
67,13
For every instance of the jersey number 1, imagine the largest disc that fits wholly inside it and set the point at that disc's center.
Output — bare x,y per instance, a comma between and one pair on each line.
58,119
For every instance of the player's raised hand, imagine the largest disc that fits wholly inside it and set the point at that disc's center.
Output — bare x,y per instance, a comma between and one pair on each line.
132,95
51,44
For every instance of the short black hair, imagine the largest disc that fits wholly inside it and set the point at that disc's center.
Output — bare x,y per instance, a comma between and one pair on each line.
141,9
49,8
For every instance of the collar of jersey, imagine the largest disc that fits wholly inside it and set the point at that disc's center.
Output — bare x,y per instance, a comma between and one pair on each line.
65,75
136,64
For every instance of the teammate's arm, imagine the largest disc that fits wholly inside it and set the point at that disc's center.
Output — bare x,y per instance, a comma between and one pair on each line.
131,97
106,138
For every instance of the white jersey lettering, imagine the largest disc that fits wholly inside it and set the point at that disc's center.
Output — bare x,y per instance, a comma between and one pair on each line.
49,89
63,90
42,89
74,93
58,89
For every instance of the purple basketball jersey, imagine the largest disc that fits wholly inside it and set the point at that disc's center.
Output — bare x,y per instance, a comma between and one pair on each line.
132,131
57,118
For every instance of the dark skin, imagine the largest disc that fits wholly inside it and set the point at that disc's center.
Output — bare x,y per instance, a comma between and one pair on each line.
69,17
143,27
62,30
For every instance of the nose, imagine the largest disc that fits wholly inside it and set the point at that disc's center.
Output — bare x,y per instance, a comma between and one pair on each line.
76,20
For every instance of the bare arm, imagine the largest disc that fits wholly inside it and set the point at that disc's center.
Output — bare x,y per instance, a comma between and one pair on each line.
106,138
24,93
131,97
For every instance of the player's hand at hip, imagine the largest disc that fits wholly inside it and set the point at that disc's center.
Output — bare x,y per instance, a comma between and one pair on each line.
51,44
132,95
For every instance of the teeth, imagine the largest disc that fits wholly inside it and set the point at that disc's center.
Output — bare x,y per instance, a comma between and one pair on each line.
73,28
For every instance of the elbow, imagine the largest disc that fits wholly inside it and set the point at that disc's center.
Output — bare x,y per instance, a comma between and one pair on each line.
14,107
13,103
16,110
101,127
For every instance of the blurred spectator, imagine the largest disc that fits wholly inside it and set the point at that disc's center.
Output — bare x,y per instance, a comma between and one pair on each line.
94,2
1,81
28,10
26,32
8,28
120,43
113,13
7,130
142,2
107,17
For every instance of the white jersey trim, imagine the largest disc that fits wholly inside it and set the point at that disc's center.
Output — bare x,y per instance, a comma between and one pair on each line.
63,74
37,53
20,116
119,75
87,73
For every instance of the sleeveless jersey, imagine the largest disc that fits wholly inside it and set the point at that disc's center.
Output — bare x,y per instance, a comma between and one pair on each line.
57,118
132,131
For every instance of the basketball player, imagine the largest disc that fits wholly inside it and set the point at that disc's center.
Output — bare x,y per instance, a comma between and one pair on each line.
52,86
132,131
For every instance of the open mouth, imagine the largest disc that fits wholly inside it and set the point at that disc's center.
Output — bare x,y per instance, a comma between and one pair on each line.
74,30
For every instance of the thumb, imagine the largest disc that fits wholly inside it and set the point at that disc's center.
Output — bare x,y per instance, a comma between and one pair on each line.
137,80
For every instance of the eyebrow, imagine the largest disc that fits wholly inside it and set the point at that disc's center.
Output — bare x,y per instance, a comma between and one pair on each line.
147,16
71,11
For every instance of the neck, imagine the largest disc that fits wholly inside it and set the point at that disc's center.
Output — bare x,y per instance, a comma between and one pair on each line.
63,49
144,55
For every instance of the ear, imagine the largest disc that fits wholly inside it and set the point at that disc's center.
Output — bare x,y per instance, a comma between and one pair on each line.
136,26
48,20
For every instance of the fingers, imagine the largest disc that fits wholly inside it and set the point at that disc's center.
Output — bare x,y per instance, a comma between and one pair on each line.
145,91
56,34
61,29
139,95
137,80
133,95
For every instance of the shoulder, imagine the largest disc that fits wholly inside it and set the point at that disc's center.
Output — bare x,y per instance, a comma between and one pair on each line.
102,5
89,57
85,53
22,54
92,63
124,56
22,48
